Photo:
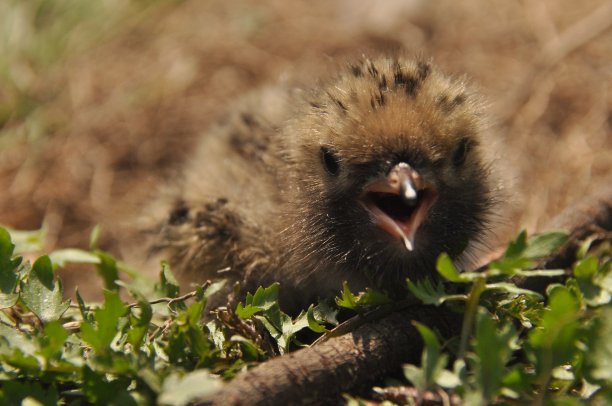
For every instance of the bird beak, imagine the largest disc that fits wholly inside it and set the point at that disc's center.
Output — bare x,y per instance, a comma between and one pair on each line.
399,202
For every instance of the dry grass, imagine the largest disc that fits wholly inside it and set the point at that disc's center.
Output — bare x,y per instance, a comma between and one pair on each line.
95,116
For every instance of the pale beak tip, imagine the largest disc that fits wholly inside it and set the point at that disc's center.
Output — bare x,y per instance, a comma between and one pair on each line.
410,193
408,244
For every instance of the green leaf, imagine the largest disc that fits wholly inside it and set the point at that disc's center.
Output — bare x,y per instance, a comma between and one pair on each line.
181,390
313,323
347,299
101,390
168,286
548,273
556,337
8,274
598,354
73,255
514,258
432,362
85,313
101,334
6,248
447,269
187,344
139,324
586,268
563,374
526,309
362,301
517,247
94,237
426,292
595,283
517,382
373,297
8,299
326,312
429,337
28,393
521,252
512,289
198,341
431,355
20,359
194,313
290,327
248,311
448,379
511,265
108,270
542,245
264,298
28,241
585,246
415,375
52,342
251,352
15,344
42,294
215,333
493,349
282,327
264,306
214,287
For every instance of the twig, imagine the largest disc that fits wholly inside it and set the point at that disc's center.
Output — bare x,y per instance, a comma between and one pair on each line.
172,300
320,374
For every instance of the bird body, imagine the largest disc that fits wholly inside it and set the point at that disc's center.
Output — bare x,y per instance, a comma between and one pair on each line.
365,177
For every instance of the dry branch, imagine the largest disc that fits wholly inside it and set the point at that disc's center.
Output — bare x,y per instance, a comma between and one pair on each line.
320,374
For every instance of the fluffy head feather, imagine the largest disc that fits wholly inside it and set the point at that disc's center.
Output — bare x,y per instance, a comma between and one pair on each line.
355,129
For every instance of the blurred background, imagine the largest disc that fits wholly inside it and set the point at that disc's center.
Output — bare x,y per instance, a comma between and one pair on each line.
101,101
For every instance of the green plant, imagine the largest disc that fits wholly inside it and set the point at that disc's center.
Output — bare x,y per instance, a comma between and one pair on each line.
519,344
160,346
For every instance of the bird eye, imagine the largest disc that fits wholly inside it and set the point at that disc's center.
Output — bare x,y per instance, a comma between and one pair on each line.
330,161
462,151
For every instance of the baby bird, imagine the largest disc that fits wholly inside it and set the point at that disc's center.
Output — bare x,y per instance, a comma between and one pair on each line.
366,177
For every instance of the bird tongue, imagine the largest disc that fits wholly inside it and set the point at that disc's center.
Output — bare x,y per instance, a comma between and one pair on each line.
399,203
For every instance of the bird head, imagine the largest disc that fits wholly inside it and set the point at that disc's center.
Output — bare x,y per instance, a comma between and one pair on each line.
386,170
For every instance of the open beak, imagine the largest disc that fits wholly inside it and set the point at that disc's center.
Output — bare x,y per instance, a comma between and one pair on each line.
399,202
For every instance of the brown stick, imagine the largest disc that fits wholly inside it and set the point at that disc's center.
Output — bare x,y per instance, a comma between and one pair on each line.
320,374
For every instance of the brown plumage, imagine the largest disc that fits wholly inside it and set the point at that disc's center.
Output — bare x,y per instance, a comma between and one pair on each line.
367,177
